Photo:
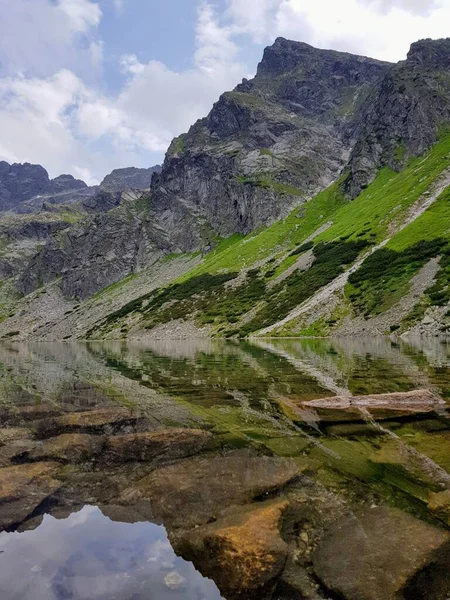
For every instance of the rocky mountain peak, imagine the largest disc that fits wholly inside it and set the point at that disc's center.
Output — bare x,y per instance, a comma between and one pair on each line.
430,53
129,177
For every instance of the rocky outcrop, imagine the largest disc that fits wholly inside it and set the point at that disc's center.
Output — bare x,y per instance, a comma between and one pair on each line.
404,115
129,178
271,143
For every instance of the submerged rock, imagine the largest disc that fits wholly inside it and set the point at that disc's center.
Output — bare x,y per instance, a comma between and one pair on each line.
378,554
376,406
106,420
23,488
243,551
195,491
68,447
157,446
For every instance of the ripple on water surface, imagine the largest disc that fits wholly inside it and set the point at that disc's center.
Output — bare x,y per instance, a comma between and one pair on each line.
89,557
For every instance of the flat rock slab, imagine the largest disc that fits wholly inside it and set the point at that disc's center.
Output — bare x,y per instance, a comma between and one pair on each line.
377,406
378,554
23,488
157,446
194,491
243,552
102,421
68,447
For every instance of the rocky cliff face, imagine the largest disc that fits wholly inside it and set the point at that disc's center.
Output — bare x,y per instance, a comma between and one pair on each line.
271,143
404,115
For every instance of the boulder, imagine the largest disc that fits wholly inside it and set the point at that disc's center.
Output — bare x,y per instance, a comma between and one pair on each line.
23,488
377,406
379,554
243,551
101,421
194,491
439,504
157,446
68,447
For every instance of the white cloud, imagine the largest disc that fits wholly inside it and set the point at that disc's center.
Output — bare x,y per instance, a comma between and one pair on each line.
82,14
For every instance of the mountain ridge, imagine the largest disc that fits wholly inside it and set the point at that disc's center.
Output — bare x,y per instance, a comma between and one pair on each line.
302,177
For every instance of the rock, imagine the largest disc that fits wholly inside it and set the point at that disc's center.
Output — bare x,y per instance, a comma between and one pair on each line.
157,446
243,551
439,504
102,421
23,488
377,554
14,434
194,491
130,177
376,406
68,447
23,415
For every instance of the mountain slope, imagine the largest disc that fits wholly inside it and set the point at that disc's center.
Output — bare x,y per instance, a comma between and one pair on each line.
311,201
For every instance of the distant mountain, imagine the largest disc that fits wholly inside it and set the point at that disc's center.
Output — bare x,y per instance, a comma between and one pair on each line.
129,178
26,188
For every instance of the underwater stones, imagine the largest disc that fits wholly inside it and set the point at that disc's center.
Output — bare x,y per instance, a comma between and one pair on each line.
68,447
376,406
194,491
439,504
243,551
101,421
23,488
376,554
157,446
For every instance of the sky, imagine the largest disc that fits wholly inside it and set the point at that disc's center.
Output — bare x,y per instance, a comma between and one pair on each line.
87,86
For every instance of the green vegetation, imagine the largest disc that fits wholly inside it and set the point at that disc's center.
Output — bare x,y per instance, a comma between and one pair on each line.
263,180
298,287
177,145
385,275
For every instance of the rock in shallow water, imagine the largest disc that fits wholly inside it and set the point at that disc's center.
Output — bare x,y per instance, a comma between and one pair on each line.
376,406
379,553
243,551
195,491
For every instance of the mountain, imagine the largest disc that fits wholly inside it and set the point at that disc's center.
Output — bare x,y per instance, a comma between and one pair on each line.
26,188
312,200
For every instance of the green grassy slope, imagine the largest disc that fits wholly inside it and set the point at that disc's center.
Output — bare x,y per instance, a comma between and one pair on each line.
329,218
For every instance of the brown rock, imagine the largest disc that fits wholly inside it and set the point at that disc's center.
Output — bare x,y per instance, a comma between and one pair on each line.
379,554
157,446
68,447
243,552
23,488
439,504
106,420
13,434
194,491
22,415
377,406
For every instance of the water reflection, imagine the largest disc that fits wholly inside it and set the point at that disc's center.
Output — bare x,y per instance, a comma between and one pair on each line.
88,556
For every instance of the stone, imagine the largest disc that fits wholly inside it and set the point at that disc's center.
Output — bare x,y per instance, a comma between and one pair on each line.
100,421
68,447
376,406
378,554
439,504
157,446
194,491
243,551
14,434
23,488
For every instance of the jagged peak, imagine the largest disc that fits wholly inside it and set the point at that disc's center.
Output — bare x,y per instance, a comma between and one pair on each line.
430,53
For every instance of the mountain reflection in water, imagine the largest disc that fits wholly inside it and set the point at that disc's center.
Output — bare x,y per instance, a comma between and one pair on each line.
88,556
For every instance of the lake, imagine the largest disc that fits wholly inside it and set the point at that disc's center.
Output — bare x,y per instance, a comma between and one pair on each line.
209,469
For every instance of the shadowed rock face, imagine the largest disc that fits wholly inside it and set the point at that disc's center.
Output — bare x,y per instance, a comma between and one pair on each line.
271,143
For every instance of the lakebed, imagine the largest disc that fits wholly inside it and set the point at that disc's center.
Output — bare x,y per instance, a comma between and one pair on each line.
210,469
